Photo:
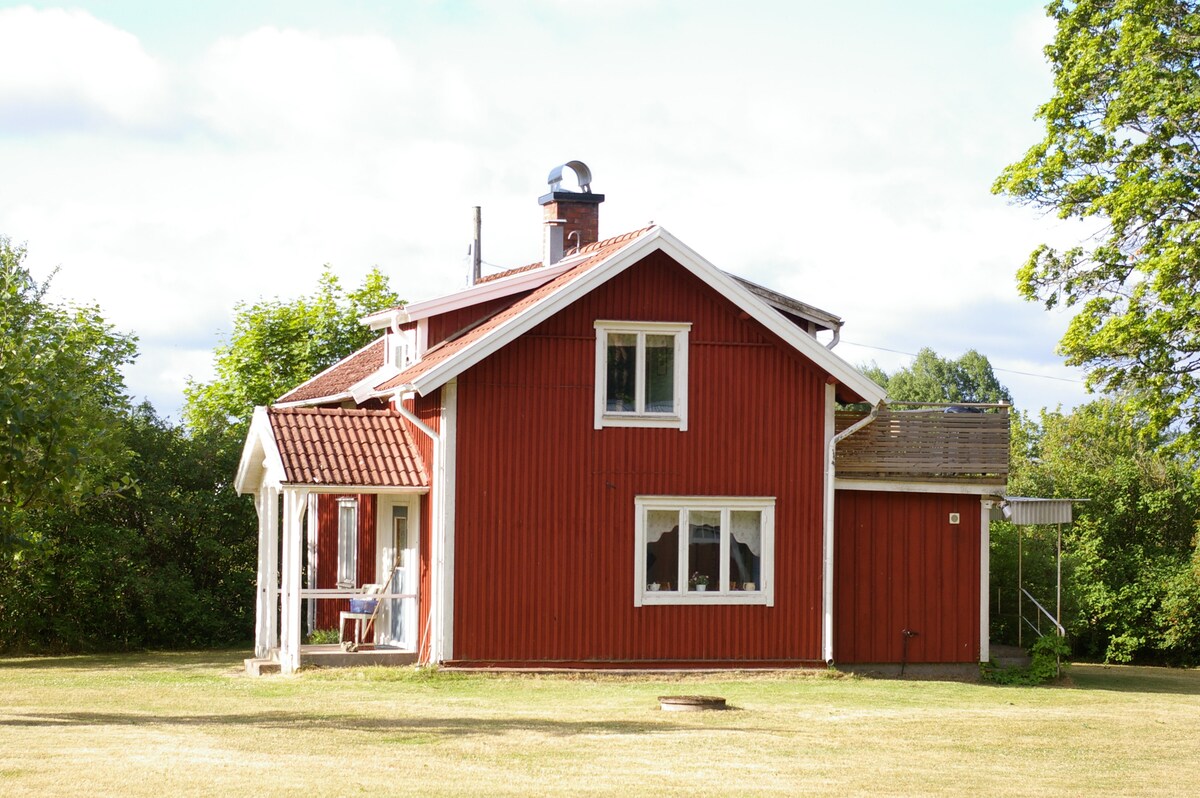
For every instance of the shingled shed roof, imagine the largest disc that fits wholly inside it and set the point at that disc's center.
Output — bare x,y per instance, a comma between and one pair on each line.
334,383
354,448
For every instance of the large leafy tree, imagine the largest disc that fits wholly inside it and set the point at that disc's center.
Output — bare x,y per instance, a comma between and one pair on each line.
276,345
1131,566
931,378
62,396
171,564
1122,132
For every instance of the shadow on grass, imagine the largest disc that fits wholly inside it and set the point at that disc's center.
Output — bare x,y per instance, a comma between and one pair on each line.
1136,679
139,660
294,721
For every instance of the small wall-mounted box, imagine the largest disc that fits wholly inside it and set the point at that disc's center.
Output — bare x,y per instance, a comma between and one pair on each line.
954,518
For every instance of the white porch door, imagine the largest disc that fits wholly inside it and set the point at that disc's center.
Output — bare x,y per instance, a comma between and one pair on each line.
397,567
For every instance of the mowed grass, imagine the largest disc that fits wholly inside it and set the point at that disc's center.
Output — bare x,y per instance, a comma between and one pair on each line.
192,724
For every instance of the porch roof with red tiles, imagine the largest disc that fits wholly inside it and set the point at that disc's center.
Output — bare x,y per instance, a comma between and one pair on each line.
590,256
335,382
351,448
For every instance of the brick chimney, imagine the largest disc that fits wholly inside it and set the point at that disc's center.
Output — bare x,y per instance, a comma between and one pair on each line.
571,218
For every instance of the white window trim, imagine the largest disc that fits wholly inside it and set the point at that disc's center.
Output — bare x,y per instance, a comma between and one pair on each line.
606,418
347,551
765,595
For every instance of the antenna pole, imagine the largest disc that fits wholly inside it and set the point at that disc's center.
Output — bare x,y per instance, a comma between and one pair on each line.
476,258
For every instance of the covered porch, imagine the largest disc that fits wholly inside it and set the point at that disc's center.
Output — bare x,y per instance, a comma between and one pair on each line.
339,497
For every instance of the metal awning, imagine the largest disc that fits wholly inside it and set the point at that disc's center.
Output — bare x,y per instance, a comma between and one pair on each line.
1026,511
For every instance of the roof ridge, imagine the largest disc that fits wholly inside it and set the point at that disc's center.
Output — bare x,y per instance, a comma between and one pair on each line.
608,242
340,411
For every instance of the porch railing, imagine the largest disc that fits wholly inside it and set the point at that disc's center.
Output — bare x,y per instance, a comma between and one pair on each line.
963,442
344,594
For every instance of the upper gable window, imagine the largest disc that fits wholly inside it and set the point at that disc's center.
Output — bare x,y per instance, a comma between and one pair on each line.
641,374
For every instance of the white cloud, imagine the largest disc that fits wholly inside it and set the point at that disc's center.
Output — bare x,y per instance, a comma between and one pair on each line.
65,69
821,151
287,85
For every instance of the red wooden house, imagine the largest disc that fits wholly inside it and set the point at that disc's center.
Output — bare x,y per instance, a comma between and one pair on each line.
620,456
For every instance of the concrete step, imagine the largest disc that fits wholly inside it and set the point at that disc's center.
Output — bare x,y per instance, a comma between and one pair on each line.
1009,656
261,667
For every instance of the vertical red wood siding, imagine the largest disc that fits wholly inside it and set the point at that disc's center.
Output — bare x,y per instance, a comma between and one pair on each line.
327,551
544,539
900,564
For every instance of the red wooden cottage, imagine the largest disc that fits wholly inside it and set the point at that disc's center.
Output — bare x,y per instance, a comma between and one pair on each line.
620,456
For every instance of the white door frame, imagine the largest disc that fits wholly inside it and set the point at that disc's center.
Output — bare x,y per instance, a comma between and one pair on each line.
385,556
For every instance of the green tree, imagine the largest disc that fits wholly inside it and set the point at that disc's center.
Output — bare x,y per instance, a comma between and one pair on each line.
934,379
1122,132
61,399
170,565
276,345
1130,575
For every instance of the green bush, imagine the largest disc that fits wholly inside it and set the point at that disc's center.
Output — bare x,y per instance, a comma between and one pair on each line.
1046,655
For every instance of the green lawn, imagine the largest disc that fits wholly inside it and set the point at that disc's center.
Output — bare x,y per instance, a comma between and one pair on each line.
192,724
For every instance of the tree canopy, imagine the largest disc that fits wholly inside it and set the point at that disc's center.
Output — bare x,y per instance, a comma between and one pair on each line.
61,399
935,379
276,345
1120,148
1131,585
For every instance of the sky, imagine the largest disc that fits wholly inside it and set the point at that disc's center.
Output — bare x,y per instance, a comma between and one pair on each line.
173,159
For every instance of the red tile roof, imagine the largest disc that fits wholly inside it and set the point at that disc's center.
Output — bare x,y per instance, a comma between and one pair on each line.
591,256
334,446
336,380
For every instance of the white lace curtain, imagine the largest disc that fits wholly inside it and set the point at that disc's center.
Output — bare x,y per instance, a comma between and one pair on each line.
659,523
746,528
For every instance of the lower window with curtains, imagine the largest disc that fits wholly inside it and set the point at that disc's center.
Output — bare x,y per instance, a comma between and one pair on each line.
704,550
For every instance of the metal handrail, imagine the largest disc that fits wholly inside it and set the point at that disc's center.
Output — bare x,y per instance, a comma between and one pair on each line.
1061,631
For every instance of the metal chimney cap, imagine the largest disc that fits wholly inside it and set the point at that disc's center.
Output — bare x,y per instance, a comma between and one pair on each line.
582,174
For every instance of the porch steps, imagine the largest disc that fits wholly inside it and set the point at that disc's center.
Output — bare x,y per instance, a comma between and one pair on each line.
1009,656
256,666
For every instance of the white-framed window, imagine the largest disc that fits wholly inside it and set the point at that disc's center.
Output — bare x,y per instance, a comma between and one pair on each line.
704,550
641,374
347,561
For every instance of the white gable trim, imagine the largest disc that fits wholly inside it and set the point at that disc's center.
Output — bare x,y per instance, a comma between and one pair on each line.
260,465
655,240
482,292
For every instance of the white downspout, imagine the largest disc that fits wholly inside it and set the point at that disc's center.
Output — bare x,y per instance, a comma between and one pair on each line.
827,542
433,619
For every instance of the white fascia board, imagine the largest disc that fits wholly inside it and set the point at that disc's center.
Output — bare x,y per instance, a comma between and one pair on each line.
373,489
484,292
766,315
381,320
260,445
316,401
885,486
364,389
536,314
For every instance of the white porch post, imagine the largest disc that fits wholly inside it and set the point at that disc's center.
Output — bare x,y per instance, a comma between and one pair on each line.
266,632
310,532
830,498
985,589
293,513
447,466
